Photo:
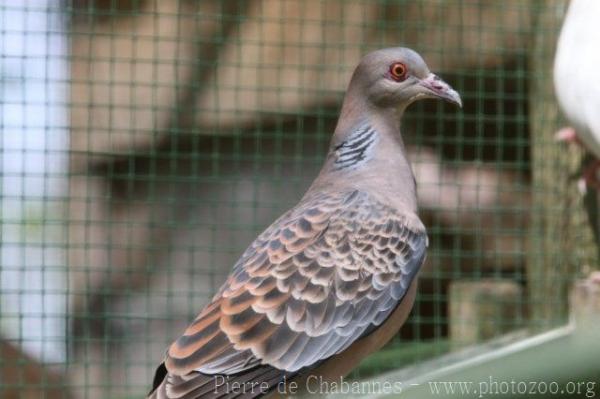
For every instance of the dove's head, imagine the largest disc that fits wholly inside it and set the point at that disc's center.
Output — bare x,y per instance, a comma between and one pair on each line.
398,76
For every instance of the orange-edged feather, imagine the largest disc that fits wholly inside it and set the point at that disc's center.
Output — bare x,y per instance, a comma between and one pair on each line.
322,276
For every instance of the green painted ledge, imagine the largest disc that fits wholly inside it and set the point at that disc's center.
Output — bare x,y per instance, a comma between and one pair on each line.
564,359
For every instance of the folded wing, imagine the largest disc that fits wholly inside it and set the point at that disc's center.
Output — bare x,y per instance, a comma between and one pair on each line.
323,275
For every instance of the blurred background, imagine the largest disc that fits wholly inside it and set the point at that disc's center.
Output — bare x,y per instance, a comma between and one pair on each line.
145,143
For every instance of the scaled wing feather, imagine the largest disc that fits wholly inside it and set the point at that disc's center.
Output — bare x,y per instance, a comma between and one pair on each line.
319,278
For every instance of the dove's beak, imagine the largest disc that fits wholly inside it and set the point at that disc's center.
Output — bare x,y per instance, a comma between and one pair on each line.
438,88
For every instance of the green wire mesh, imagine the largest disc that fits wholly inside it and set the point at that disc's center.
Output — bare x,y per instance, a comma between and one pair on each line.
146,143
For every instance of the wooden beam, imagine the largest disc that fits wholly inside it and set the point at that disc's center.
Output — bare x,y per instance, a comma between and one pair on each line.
23,377
481,310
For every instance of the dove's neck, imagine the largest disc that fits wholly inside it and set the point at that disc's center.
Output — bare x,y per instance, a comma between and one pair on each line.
367,153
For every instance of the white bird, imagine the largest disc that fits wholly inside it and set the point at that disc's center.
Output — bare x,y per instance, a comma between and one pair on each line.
577,80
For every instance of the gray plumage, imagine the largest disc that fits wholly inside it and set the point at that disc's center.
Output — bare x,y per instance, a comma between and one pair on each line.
331,272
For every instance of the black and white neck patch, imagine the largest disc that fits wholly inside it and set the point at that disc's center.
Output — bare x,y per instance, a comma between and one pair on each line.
356,149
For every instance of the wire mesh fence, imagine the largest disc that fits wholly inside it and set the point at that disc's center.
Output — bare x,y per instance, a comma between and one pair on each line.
146,143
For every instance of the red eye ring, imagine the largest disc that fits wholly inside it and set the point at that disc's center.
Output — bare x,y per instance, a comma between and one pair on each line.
398,71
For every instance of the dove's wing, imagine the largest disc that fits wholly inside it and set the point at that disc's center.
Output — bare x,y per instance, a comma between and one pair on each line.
323,275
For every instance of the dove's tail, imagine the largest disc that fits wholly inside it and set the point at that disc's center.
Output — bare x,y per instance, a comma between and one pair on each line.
250,384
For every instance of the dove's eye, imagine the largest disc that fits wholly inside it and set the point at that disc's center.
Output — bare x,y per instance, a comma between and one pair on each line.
398,71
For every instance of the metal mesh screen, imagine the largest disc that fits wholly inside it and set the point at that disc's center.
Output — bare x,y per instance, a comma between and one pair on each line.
146,143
